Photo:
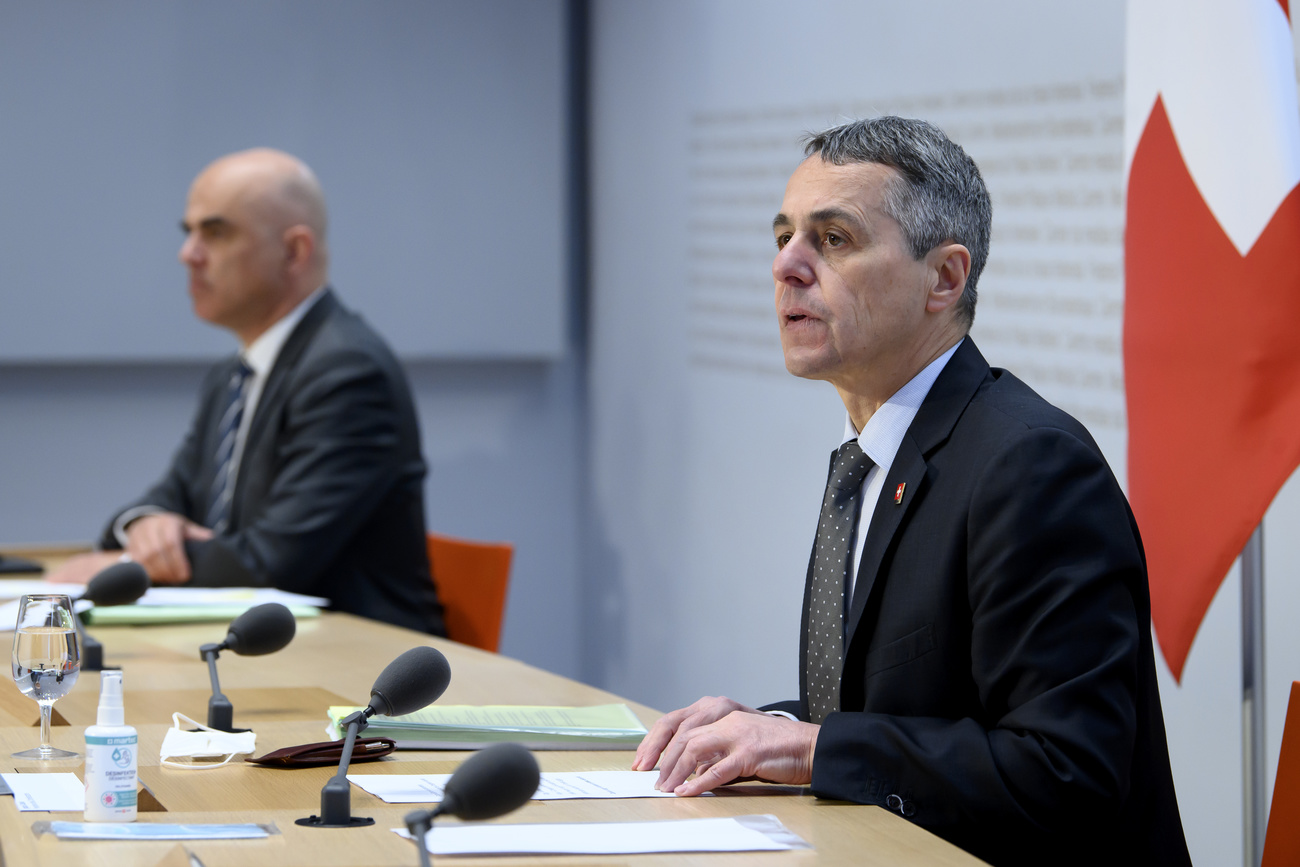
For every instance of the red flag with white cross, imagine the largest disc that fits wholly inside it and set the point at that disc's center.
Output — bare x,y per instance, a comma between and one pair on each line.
1212,289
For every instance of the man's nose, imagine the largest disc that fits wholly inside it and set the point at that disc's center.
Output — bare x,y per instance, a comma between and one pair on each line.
794,263
190,252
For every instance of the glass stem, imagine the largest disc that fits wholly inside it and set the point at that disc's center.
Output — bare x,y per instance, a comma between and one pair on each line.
46,708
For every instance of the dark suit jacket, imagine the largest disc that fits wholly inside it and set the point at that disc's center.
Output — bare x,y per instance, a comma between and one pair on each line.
999,684
329,499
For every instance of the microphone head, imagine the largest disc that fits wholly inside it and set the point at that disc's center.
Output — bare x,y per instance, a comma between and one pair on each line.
490,783
119,584
215,564
415,679
261,629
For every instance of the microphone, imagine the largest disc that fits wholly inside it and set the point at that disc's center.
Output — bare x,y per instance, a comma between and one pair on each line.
119,584
260,630
488,784
415,679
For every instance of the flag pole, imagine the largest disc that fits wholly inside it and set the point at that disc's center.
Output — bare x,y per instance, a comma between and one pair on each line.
1254,773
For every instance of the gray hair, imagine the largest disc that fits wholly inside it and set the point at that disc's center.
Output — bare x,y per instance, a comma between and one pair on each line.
940,195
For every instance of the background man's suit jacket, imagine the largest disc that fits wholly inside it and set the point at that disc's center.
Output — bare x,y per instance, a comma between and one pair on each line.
999,675
329,496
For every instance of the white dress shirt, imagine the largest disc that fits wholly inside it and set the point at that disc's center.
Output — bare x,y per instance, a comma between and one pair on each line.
880,438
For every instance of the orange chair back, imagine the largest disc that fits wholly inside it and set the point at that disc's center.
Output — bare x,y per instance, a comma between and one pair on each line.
472,578
1282,842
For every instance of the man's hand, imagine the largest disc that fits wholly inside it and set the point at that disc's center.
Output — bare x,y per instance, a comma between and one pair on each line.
722,741
81,568
157,542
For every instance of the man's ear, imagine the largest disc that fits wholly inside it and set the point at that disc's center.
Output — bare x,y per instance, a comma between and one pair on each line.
951,263
299,244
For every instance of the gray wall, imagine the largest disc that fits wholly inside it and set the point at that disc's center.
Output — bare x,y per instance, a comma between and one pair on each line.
437,129
77,441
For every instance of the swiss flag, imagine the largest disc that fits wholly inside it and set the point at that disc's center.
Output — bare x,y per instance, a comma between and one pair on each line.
1212,290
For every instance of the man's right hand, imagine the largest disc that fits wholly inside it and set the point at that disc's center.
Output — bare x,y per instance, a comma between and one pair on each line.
667,728
81,568
717,741
157,542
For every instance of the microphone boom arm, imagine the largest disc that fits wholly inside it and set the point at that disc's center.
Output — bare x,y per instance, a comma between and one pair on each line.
408,683
420,823
336,795
221,713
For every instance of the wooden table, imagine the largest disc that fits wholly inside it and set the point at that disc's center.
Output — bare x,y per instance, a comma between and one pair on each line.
335,659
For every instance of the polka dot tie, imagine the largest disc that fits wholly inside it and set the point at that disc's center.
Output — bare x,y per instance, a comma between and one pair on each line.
831,563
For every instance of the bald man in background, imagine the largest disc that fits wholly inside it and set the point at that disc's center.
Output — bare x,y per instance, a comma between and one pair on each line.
302,468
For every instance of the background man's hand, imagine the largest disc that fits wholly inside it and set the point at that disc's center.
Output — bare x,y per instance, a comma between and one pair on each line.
157,542
81,568
722,741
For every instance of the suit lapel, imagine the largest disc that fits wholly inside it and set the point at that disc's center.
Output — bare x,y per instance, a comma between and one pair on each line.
951,393
908,470
274,393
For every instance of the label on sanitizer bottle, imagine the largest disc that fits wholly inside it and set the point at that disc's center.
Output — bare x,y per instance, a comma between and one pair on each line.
111,776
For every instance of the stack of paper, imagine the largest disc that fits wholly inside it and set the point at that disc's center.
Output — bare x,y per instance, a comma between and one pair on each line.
201,604
468,727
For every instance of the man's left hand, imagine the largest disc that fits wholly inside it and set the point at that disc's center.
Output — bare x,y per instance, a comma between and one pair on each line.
740,746
157,542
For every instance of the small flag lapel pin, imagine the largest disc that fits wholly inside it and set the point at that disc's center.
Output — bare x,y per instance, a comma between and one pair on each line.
898,494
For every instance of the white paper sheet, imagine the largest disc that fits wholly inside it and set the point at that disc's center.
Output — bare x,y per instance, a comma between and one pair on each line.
12,588
427,788
739,834
57,792
226,596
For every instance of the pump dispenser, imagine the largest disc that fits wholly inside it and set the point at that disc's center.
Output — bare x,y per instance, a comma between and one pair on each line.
111,761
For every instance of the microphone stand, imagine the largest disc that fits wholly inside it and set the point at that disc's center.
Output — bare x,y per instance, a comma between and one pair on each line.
336,795
420,823
221,714
92,652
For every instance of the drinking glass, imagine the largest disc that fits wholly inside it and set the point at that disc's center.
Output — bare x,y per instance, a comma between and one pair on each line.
46,660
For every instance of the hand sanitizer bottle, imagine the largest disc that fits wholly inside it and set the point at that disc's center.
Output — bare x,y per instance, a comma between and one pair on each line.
110,757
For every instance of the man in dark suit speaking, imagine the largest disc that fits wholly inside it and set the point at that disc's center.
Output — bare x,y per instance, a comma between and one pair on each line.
976,650
302,468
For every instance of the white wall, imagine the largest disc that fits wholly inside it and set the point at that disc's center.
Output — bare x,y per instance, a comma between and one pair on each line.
709,460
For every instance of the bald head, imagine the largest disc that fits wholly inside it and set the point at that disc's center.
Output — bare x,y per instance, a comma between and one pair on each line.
278,184
255,226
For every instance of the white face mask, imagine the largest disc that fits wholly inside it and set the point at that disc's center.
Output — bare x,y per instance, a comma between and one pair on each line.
205,743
